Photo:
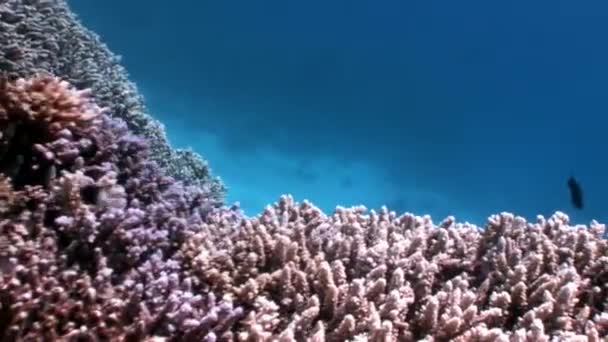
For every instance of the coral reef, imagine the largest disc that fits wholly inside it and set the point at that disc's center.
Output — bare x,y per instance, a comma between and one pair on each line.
88,225
98,244
44,36
382,277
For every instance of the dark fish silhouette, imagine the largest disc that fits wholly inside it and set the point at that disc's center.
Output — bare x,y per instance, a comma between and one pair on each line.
576,193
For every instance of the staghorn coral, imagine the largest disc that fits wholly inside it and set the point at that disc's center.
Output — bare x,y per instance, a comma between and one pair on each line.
45,37
382,277
97,243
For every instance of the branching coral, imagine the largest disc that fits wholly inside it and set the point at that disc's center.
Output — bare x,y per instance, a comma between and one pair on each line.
38,118
377,276
89,226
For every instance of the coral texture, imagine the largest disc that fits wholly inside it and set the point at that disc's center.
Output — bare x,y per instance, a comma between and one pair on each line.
44,36
89,227
383,277
97,244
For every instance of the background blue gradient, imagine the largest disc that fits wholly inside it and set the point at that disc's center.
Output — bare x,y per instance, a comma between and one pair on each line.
462,108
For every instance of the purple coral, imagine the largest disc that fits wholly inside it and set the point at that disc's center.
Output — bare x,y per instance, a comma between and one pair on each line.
90,227
97,243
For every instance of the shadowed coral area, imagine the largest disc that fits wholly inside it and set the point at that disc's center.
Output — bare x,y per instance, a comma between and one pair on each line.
33,113
98,243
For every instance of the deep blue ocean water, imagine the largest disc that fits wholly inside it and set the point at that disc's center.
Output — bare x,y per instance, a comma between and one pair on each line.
462,108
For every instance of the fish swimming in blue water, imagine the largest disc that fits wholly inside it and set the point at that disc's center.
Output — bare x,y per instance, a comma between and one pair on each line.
576,193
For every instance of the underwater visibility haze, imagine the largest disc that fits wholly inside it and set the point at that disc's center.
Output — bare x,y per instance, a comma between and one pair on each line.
445,108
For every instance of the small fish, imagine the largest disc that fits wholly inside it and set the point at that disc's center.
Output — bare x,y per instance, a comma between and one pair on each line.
576,193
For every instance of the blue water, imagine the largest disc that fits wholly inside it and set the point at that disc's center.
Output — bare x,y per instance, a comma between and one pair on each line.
462,108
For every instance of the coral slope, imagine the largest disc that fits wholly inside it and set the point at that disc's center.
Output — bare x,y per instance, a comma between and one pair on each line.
97,243
44,36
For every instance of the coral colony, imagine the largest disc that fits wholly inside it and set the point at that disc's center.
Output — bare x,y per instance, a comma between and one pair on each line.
100,242
43,36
